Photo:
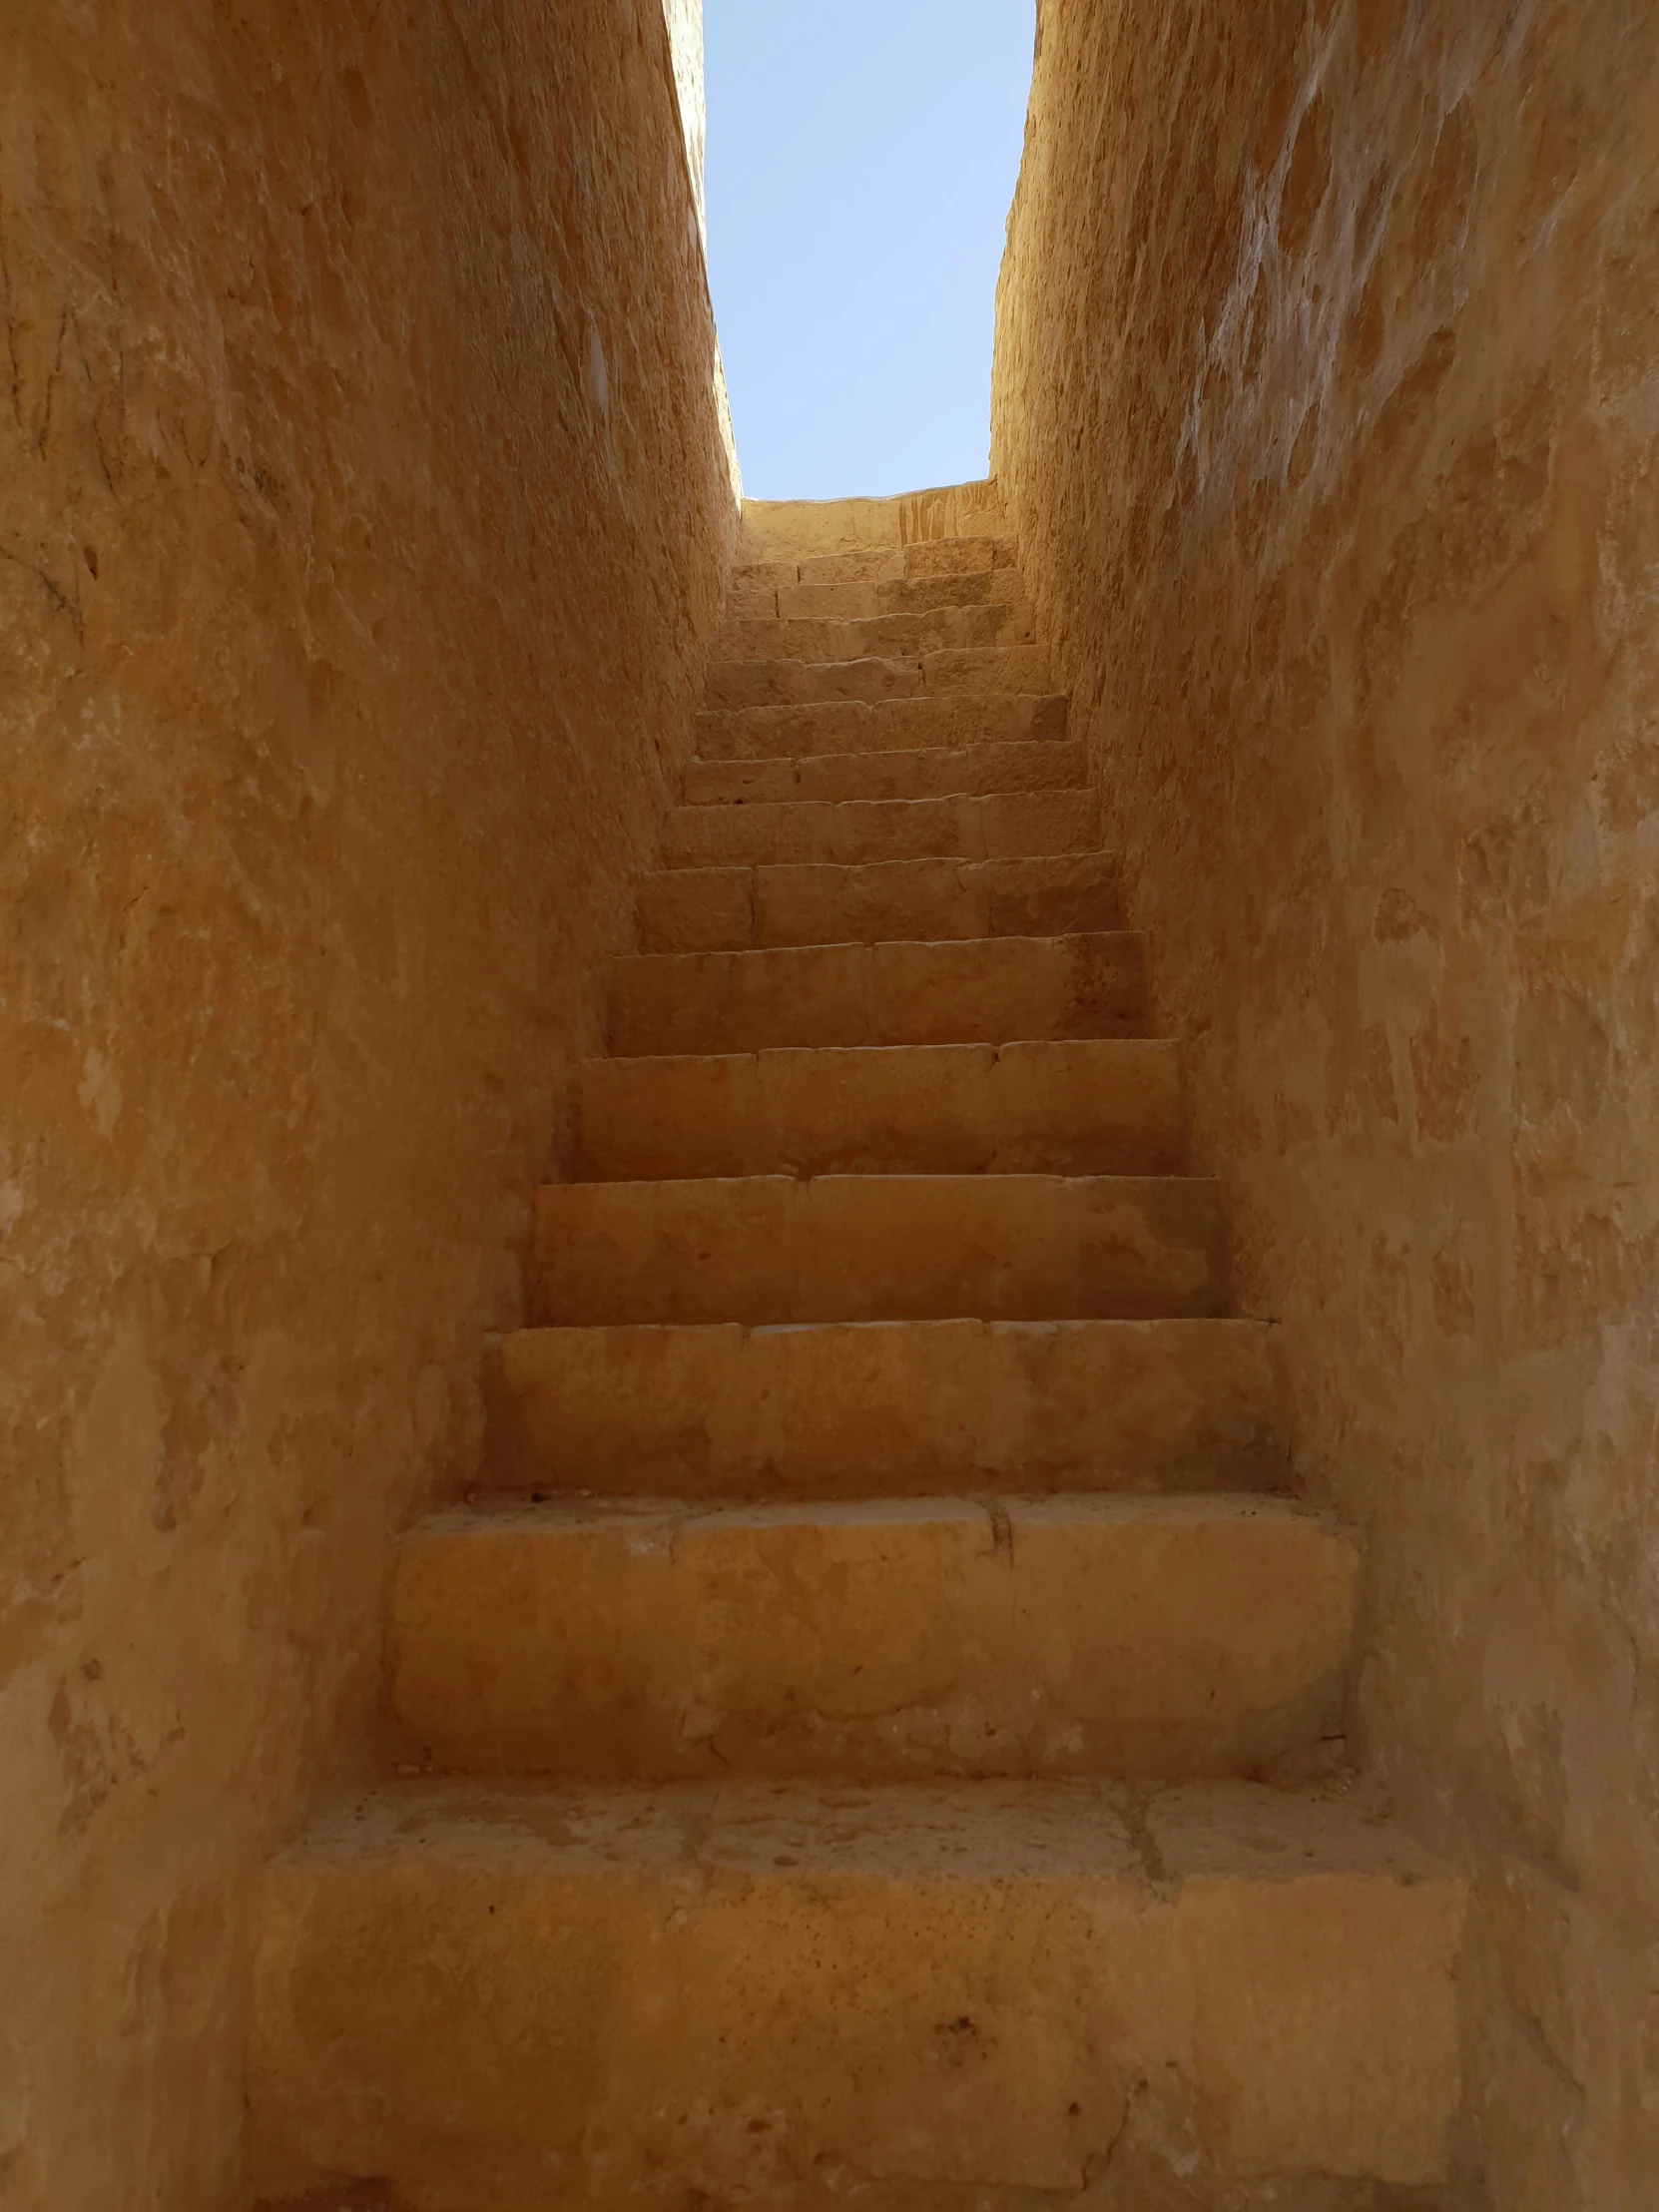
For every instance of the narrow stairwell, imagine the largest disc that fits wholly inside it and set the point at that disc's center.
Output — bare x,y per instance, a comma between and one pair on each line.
883,1724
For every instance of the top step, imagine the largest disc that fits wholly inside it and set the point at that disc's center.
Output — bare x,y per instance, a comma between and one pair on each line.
797,529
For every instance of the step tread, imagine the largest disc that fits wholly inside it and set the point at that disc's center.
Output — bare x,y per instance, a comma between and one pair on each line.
1197,1832
859,1408
957,1984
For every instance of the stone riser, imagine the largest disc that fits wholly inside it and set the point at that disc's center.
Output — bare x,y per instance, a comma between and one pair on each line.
771,1248
741,909
1098,1108
1007,826
922,1637
748,636
606,1998
943,723
966,668
870,564
987,991
973,770
894,1408
773,598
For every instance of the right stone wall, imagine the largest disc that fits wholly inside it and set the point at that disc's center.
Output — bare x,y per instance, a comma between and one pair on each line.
1327,411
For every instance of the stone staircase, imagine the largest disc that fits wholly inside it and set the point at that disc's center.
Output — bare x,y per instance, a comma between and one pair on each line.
877,1742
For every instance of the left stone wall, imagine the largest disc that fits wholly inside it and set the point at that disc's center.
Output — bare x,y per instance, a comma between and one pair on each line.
364,511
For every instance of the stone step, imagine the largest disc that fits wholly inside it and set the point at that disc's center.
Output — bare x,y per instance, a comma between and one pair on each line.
1095,1107
972,669
1005,826
963,770
805,1993
893,595
741,909
772,1247
920,1636
943,723
747,636
986,990
869,1408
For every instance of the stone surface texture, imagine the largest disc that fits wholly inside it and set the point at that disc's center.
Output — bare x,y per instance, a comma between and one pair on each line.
870,1736
1327,414
363,512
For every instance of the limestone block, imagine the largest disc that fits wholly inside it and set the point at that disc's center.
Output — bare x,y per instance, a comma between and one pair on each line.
985,991
924,1636
772,1247
614,1994
1106,1107
855,1410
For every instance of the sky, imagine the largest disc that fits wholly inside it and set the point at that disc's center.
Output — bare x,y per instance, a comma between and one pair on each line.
861,156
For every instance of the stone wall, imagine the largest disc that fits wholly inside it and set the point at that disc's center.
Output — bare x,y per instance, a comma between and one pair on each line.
1326,408
363,511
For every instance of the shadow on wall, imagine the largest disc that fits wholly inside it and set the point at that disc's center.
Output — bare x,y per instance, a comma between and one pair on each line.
365,503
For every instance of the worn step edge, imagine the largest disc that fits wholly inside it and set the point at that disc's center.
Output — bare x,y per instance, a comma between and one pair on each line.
588,1995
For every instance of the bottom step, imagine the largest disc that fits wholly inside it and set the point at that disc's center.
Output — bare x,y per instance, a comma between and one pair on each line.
786,1995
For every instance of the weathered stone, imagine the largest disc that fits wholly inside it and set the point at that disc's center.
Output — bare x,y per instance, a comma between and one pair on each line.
985,991
860,1410
1091,1108
364,516
740,1987
761,1249
939,773
1326,414
895,724
1002,826
922,1636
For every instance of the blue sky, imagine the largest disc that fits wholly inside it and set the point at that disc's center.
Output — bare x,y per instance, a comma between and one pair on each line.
861,155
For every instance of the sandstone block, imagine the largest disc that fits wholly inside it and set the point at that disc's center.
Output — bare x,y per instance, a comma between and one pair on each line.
939,773
778,683
609,1994
883,725
844,1409
701,909
888,635
772,1248
1108,1107
1002,826
922,1636
985,991
998,668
